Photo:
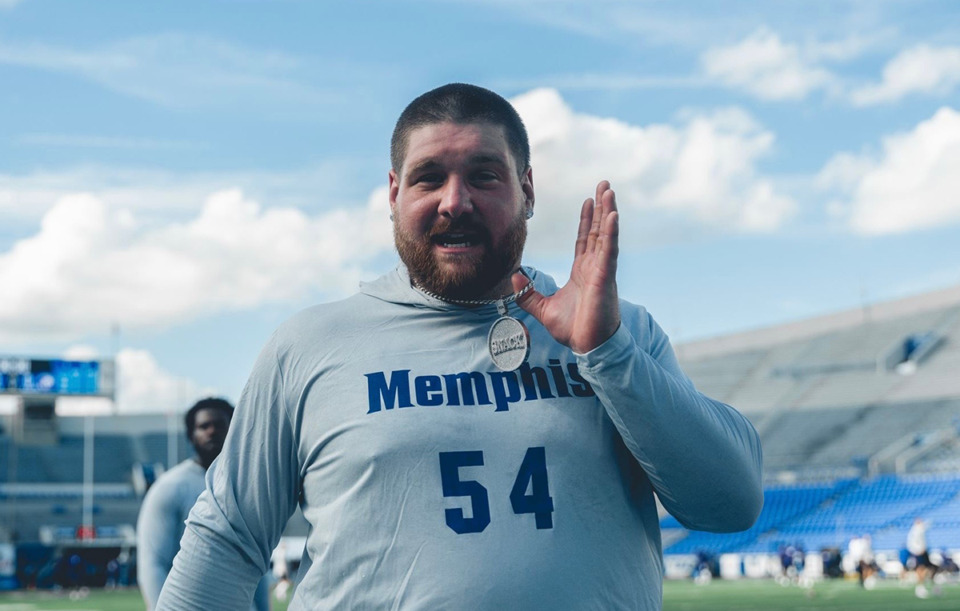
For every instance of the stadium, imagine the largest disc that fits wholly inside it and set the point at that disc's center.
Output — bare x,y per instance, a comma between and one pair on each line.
859,413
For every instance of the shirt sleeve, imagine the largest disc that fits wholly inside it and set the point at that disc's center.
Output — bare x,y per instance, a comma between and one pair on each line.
251,490
158,525
702,456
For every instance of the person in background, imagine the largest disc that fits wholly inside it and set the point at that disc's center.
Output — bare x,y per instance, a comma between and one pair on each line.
919,556
860,550
167,503
281,572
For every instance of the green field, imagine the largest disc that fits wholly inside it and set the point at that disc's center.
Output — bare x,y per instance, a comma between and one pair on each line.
767,595
94,600
678,596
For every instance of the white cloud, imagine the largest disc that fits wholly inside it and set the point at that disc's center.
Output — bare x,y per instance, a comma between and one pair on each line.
80,352
167,195
144,386
118,255
592,81
921,69
761,64
844,49
179,70
913,184
770,69
698,174
87,141
630,23
92,265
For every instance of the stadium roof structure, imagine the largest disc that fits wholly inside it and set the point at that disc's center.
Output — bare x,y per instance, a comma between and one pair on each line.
840,389
944,299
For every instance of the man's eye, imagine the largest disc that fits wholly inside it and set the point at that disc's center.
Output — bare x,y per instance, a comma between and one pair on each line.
484,176
430,179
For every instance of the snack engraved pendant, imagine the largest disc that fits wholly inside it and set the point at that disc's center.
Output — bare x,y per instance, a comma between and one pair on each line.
508,341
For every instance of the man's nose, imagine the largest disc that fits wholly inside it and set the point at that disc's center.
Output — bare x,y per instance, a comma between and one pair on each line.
455,198
214,431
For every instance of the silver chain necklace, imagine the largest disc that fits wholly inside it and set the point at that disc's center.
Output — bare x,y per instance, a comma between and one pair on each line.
500,301
508,340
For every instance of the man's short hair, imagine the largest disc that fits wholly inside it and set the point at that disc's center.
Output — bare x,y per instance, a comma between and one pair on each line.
463,104
209,403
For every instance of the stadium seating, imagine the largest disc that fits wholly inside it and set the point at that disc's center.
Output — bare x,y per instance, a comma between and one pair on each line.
846,436
828,515
782,505
64,461
832,362
42,485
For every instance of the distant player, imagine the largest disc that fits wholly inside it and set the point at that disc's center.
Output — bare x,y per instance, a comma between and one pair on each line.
860,551
281,572
920,556
166,505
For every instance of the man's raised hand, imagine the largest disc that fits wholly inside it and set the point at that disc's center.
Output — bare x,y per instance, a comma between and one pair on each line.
586,311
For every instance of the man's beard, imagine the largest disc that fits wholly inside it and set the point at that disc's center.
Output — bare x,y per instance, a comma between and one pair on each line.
477,275
207,455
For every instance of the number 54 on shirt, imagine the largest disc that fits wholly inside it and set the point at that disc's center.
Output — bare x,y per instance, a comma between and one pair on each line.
531,476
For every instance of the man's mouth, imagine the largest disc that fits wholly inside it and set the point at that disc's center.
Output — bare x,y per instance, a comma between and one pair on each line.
453,239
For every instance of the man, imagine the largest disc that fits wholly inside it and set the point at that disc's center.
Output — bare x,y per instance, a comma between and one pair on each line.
919,557
860,550
438,467
168,502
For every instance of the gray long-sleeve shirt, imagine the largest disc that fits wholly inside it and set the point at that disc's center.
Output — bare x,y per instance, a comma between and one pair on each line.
160,526
433,480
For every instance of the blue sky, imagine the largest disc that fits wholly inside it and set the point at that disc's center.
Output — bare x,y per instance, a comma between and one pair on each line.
192,173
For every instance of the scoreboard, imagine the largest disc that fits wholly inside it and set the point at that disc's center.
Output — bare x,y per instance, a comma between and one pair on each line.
24,376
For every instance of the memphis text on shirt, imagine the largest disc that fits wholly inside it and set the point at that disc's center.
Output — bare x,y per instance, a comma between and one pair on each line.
475,387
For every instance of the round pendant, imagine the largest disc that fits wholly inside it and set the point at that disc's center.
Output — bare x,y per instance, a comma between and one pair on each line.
509,343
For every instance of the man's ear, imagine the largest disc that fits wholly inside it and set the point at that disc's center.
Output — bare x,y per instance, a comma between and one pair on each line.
393,182
526,184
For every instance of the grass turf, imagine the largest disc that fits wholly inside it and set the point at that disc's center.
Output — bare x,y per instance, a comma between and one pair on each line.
127,599
719,595
834,594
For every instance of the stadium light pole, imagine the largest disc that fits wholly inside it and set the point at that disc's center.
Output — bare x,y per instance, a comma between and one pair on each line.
13,463
115,350
88,458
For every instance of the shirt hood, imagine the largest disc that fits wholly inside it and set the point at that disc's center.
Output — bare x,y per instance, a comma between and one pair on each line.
395,287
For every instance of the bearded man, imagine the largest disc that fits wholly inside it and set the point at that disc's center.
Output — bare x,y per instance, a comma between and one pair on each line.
462,433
